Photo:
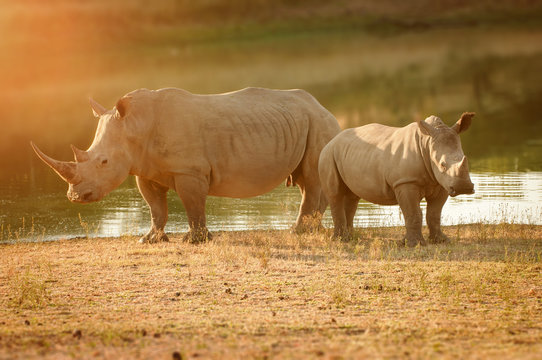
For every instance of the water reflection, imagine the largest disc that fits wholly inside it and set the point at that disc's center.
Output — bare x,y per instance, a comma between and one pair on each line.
509,197
514,197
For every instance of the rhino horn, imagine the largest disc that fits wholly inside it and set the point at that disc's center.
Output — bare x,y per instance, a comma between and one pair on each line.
66,170
97,109
463,166
79,155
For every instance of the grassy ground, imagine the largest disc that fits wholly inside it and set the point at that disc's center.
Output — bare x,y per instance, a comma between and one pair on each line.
271,294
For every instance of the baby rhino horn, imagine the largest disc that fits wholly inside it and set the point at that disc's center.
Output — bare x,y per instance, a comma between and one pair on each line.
464,166
66,170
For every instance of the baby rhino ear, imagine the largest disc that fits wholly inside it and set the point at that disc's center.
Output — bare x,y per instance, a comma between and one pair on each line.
123,106
464,122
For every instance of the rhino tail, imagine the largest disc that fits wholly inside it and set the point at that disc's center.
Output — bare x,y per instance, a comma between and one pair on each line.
291,180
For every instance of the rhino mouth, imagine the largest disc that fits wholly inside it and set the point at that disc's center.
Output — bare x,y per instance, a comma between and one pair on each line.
84,198
453,192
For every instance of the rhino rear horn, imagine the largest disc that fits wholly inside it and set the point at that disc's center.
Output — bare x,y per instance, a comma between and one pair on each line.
79,155
97,109
66,170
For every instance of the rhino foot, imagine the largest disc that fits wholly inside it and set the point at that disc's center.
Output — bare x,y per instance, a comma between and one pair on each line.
154,236
198,236
344,236
439,238
412,241
309,228
309,224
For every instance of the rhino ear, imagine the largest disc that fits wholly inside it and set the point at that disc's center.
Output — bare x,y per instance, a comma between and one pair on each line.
97,109
464,122
123,106
425,128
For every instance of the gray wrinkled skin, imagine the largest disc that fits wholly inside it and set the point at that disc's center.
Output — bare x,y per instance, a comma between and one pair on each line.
237,144
388,166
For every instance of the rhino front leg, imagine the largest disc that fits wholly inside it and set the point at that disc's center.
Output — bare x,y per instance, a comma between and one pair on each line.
193,192
156,197
435,202
408,197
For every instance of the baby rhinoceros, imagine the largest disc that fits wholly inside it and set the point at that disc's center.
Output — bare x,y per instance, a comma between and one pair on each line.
388,166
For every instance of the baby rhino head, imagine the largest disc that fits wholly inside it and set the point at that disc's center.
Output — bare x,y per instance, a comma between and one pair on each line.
448,162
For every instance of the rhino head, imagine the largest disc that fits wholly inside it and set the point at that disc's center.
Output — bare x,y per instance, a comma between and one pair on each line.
104,166
448,162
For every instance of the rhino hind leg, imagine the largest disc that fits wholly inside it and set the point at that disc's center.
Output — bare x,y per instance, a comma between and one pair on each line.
193,193
155,195
309,217
408,197
323,202
340,229
351,201
343,208
435,202
335,190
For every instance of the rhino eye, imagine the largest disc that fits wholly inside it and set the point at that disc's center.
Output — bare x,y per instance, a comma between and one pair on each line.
443,166
104,161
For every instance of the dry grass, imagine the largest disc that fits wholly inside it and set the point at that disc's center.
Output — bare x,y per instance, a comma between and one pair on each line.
271,294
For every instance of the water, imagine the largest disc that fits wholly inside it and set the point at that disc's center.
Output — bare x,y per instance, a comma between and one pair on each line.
45,214
359,77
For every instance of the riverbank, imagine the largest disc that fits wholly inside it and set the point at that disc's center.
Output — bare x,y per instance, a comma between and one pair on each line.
271,294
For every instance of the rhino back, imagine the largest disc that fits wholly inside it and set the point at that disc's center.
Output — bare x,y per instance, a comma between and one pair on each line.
374,159
245,142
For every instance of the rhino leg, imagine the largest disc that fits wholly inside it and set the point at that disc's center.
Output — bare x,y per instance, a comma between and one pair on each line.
156,197
351,201
435,202
408,197
193,192
336,203
335,191
310,216
322,205
343,204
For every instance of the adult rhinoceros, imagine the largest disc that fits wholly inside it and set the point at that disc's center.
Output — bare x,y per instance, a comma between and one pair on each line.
388,165
238,144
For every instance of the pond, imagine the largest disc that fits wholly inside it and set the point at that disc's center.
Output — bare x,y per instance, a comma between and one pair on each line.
360,78
45,213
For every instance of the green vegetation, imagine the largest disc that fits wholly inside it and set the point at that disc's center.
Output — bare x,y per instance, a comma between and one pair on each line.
260,294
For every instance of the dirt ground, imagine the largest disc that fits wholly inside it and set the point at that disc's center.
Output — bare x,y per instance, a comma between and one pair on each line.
272,294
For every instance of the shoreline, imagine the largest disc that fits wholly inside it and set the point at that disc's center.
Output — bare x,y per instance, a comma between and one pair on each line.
327,231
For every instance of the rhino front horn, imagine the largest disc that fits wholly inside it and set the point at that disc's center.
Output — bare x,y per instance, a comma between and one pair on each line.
66,170
463,166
